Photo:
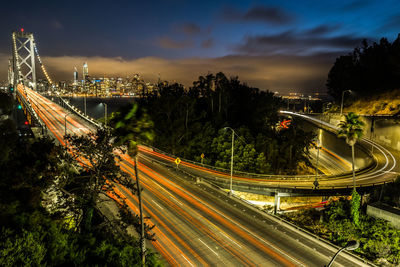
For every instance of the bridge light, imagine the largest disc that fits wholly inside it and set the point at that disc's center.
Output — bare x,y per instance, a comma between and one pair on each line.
22,29
26,122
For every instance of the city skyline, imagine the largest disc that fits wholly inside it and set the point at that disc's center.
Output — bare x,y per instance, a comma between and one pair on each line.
276,46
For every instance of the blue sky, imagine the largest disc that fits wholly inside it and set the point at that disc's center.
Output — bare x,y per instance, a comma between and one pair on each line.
276,45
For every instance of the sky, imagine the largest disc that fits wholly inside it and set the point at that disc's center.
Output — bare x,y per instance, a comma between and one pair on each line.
282,46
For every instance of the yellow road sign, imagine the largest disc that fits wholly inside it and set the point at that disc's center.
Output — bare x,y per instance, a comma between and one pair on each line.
202,155
177,161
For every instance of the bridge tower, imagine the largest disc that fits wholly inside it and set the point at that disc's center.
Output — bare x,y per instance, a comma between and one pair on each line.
23,59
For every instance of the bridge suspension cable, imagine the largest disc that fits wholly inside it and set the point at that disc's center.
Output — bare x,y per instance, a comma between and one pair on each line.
41,64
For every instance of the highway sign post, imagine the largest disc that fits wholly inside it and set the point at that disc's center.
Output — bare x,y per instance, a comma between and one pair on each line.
202,157
177,161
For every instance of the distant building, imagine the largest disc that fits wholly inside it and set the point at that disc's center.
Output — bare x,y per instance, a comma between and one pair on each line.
75,77
106,86
85,71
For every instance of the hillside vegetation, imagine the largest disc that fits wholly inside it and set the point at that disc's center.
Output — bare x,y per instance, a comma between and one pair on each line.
189,122
387,103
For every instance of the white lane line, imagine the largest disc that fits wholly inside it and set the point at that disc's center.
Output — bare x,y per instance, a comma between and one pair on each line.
171,196
209,247
231,239
187,260
180,203
157,204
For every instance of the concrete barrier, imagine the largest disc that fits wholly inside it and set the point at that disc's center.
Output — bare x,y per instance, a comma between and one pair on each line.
383,211
384,130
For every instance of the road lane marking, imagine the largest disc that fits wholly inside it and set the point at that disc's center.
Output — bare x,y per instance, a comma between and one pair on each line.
157,204
231,239
209,247
187,260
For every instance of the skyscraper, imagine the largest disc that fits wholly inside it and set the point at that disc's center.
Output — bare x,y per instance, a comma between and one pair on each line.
75,76
85,71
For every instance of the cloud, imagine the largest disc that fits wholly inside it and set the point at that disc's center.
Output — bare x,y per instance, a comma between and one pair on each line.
189,28
267,14
168,43
208,43
276,73
290,42
322,30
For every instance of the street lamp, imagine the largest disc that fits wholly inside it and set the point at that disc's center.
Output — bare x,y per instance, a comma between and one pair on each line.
233,141
341,106
65,123
84,103
316,184
351,245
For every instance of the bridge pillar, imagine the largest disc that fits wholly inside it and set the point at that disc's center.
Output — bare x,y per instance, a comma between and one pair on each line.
277,202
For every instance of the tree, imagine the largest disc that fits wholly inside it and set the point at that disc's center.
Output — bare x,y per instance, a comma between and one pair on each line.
132,126
187,120
95,153
352,129
7,127
29,234
368,70
245,156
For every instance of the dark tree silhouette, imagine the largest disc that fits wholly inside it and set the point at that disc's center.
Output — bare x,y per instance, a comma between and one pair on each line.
368,70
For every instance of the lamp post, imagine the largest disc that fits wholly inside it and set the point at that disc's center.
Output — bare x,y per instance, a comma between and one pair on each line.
341,106
351,245
65,123
316,184
84,103
233,141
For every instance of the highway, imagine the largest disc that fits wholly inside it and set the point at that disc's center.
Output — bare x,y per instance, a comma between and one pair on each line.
197,225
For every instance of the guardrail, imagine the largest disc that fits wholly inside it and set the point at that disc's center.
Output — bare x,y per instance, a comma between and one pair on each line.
252,185
80,113
241,173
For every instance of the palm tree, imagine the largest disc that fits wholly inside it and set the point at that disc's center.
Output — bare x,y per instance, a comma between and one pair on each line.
351,129
132,126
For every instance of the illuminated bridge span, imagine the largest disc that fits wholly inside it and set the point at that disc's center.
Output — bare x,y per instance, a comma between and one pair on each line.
195,225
